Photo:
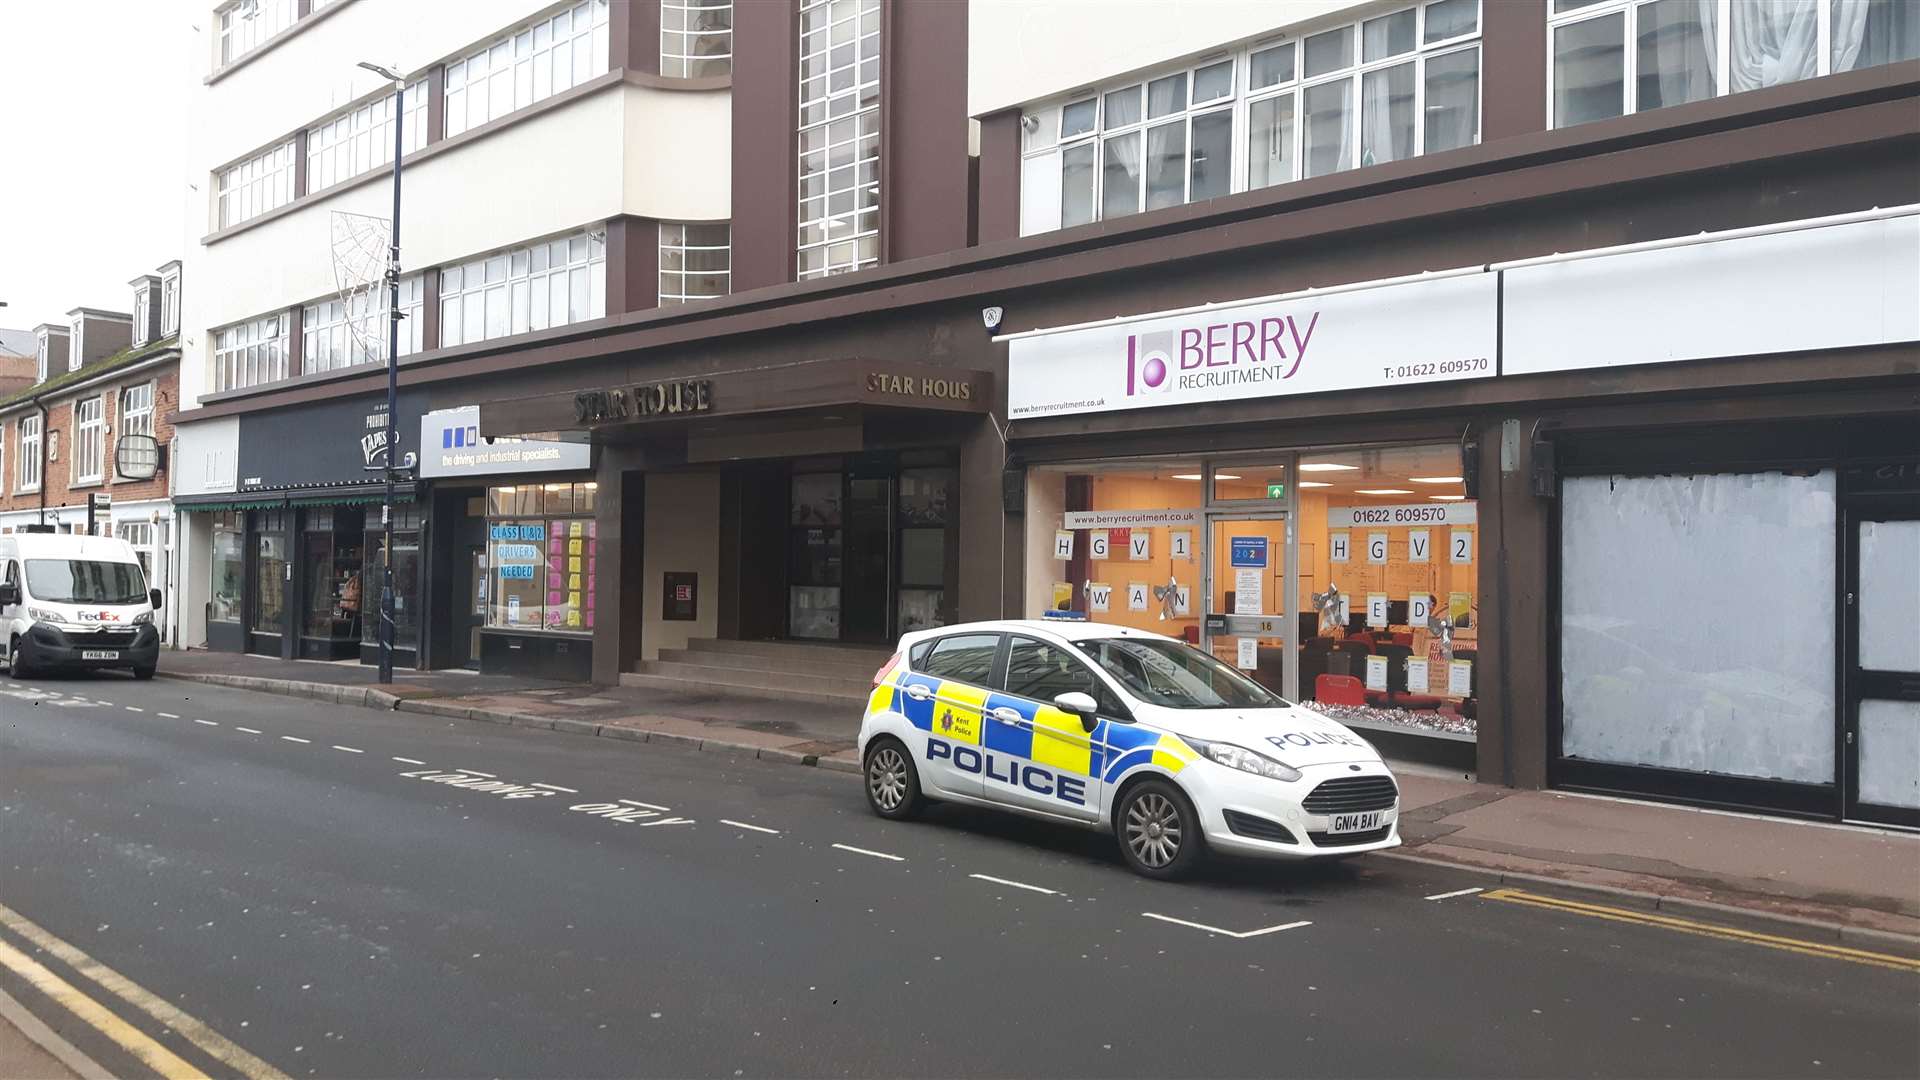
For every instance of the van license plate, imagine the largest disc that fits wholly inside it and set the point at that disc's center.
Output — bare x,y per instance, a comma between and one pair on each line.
1346,823
99,654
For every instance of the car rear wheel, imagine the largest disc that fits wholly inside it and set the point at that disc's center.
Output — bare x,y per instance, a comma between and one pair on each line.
1159,831
893,785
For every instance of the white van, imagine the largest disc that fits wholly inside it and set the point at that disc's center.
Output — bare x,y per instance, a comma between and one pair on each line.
70,601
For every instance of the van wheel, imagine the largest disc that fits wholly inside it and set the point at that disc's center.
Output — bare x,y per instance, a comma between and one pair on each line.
17,660
143,673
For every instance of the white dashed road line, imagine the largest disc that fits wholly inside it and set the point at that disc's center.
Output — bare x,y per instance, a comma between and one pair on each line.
1456,892
348,750
555,787
131,708
875,854
644,805
1228,933
172,716
209,723
248,730
1015,884
408,761
296,738
744,825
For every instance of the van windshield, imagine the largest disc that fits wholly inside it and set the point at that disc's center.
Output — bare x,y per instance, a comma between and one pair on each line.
79,581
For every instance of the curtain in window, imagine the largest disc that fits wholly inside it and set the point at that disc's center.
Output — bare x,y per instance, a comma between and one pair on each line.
1386,115
1166,165
1677,52
1774,42
1870,32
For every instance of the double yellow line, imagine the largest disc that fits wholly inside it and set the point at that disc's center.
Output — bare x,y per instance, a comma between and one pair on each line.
1688,926
104,1020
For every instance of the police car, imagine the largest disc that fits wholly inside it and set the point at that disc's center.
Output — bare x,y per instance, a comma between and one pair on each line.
1118,729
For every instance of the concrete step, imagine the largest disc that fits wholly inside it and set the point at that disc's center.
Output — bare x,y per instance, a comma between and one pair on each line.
847,688
874,655
811,662
839,704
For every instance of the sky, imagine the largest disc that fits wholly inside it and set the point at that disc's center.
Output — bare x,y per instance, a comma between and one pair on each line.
93,95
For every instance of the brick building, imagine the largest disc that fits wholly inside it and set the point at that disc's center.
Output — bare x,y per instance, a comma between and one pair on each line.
91,425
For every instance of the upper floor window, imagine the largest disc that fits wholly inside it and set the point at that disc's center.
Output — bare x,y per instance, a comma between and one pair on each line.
1613,57
40,373
839,136
170,304
537,62
136,410
1394,86
89,440
242,26
142,308
696,261
3,457
696,38
29,470
250,353
252,187
361,139
339,333
551,283
75,337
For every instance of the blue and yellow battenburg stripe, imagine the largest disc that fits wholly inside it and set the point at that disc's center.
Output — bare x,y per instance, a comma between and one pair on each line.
958,712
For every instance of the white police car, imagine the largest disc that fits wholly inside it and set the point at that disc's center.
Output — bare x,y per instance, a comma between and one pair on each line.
1123,730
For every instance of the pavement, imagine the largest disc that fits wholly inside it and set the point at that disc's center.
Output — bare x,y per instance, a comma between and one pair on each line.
1848,881
270,886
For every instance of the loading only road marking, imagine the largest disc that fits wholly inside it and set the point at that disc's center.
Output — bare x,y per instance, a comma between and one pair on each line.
199,1034
485,783
628,815
1229,933
556,787
1700,929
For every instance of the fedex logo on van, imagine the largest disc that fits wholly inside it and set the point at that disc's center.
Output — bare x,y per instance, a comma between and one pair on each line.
1240,350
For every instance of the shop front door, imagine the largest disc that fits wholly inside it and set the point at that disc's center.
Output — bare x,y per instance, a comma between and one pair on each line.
1248,604
867,580
470,605
1882,737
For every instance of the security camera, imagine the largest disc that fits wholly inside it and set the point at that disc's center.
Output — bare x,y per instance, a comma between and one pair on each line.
991,316
1030,123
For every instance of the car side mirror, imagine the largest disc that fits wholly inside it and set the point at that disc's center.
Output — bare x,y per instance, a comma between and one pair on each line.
1081,705
153,597
9,594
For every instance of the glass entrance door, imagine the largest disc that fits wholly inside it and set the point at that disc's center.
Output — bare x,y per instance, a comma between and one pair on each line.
1249,621
865,600
1883,664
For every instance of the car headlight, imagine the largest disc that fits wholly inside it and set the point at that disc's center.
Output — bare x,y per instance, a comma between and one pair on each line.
143,619
45,616
1239,757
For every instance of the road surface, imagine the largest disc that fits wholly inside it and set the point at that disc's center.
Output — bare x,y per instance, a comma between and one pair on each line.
309,889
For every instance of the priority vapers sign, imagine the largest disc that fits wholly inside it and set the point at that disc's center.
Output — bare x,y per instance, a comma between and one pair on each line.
1405,332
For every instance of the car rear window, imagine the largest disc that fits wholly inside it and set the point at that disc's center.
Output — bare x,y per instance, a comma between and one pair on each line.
965,658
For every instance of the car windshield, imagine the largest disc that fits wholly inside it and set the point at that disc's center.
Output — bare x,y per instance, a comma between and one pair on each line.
78,581
1176,675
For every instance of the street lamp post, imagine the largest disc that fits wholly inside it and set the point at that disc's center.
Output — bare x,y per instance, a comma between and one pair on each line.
393,377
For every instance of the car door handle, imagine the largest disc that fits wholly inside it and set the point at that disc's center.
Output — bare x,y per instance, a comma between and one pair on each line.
918,692
1007,715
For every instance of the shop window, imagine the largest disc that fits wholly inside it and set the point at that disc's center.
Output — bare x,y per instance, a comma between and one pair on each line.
226,571
270,571
406,579
814,556
1388,586
541,552
1670,656
925,510
1142,573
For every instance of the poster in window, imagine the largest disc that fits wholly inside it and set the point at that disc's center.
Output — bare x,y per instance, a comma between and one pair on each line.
1376,672
1417,675
1062,596
1460,678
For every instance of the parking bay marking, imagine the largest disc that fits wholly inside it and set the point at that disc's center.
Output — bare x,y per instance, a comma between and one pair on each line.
875,854
1015,884
1456,892
1229,933
1700,929
744,825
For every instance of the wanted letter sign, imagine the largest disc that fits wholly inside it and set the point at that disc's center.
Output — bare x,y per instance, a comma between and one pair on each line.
1377,548
1062,544
1337,546
1140,546
1460,543
1419,546
1097,544
1099,596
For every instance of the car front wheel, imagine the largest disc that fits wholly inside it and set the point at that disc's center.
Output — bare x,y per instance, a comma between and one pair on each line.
893,785
1159,831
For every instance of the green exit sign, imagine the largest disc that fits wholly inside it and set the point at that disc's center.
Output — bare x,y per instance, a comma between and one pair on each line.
1276,491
